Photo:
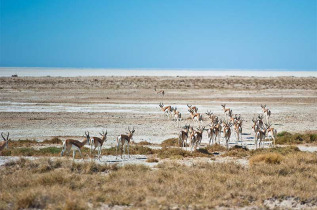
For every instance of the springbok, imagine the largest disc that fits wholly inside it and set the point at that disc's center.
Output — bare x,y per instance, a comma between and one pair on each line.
191,107
166,109
260,136
4,144
237,125
211,134
196,138
266,112
177,116
257,124
271,133
183,135
226,110
227,132
160,92
196,116
97,142
124,141
75,145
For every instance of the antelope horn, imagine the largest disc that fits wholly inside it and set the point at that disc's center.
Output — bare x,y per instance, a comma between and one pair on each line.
2,136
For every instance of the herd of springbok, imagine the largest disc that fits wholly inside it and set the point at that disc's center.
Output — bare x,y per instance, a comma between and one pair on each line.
219,129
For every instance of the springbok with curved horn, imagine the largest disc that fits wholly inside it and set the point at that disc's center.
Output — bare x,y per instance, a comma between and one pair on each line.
75,145
266,112
260,136
97,142
271,132
177,116
237,125
227,132
124,141
191,107
4,144
196,138
166,109
183,135
160,92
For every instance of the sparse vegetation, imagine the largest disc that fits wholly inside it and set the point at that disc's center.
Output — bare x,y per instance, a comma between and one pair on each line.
270,158
297,138
170,142
63,184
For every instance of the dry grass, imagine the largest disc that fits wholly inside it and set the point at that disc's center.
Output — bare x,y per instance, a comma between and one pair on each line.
297,138
270,158
170,142
61,184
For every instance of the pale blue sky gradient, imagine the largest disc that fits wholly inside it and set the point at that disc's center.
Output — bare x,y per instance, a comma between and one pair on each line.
211,34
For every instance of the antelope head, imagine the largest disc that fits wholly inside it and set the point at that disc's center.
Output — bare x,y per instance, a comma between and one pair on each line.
223,106
6,139
161,105
87,136
104,135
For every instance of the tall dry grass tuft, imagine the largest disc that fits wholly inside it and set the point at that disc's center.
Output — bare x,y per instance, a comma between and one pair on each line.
270,158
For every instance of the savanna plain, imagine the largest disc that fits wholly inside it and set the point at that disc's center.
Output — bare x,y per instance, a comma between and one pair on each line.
40,113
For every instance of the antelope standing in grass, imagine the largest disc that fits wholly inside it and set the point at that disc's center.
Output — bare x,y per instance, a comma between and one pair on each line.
183,135
97,142
160,92
266,112
196,137
271,133
227,133
4,144
226,110
177,116
166,109
191,107
197,117
123,140
75,145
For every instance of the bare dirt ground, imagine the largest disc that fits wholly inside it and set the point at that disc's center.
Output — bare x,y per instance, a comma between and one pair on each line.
42,107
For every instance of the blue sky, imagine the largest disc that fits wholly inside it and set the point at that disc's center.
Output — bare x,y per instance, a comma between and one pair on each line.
211,34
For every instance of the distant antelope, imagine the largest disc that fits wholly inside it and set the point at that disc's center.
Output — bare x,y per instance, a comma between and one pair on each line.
227,132
4,144
196,138
160,92
271,133
226,110
197,117
97,142
75,145
266,112
191,107
124,141
183,135
166,109
177,116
